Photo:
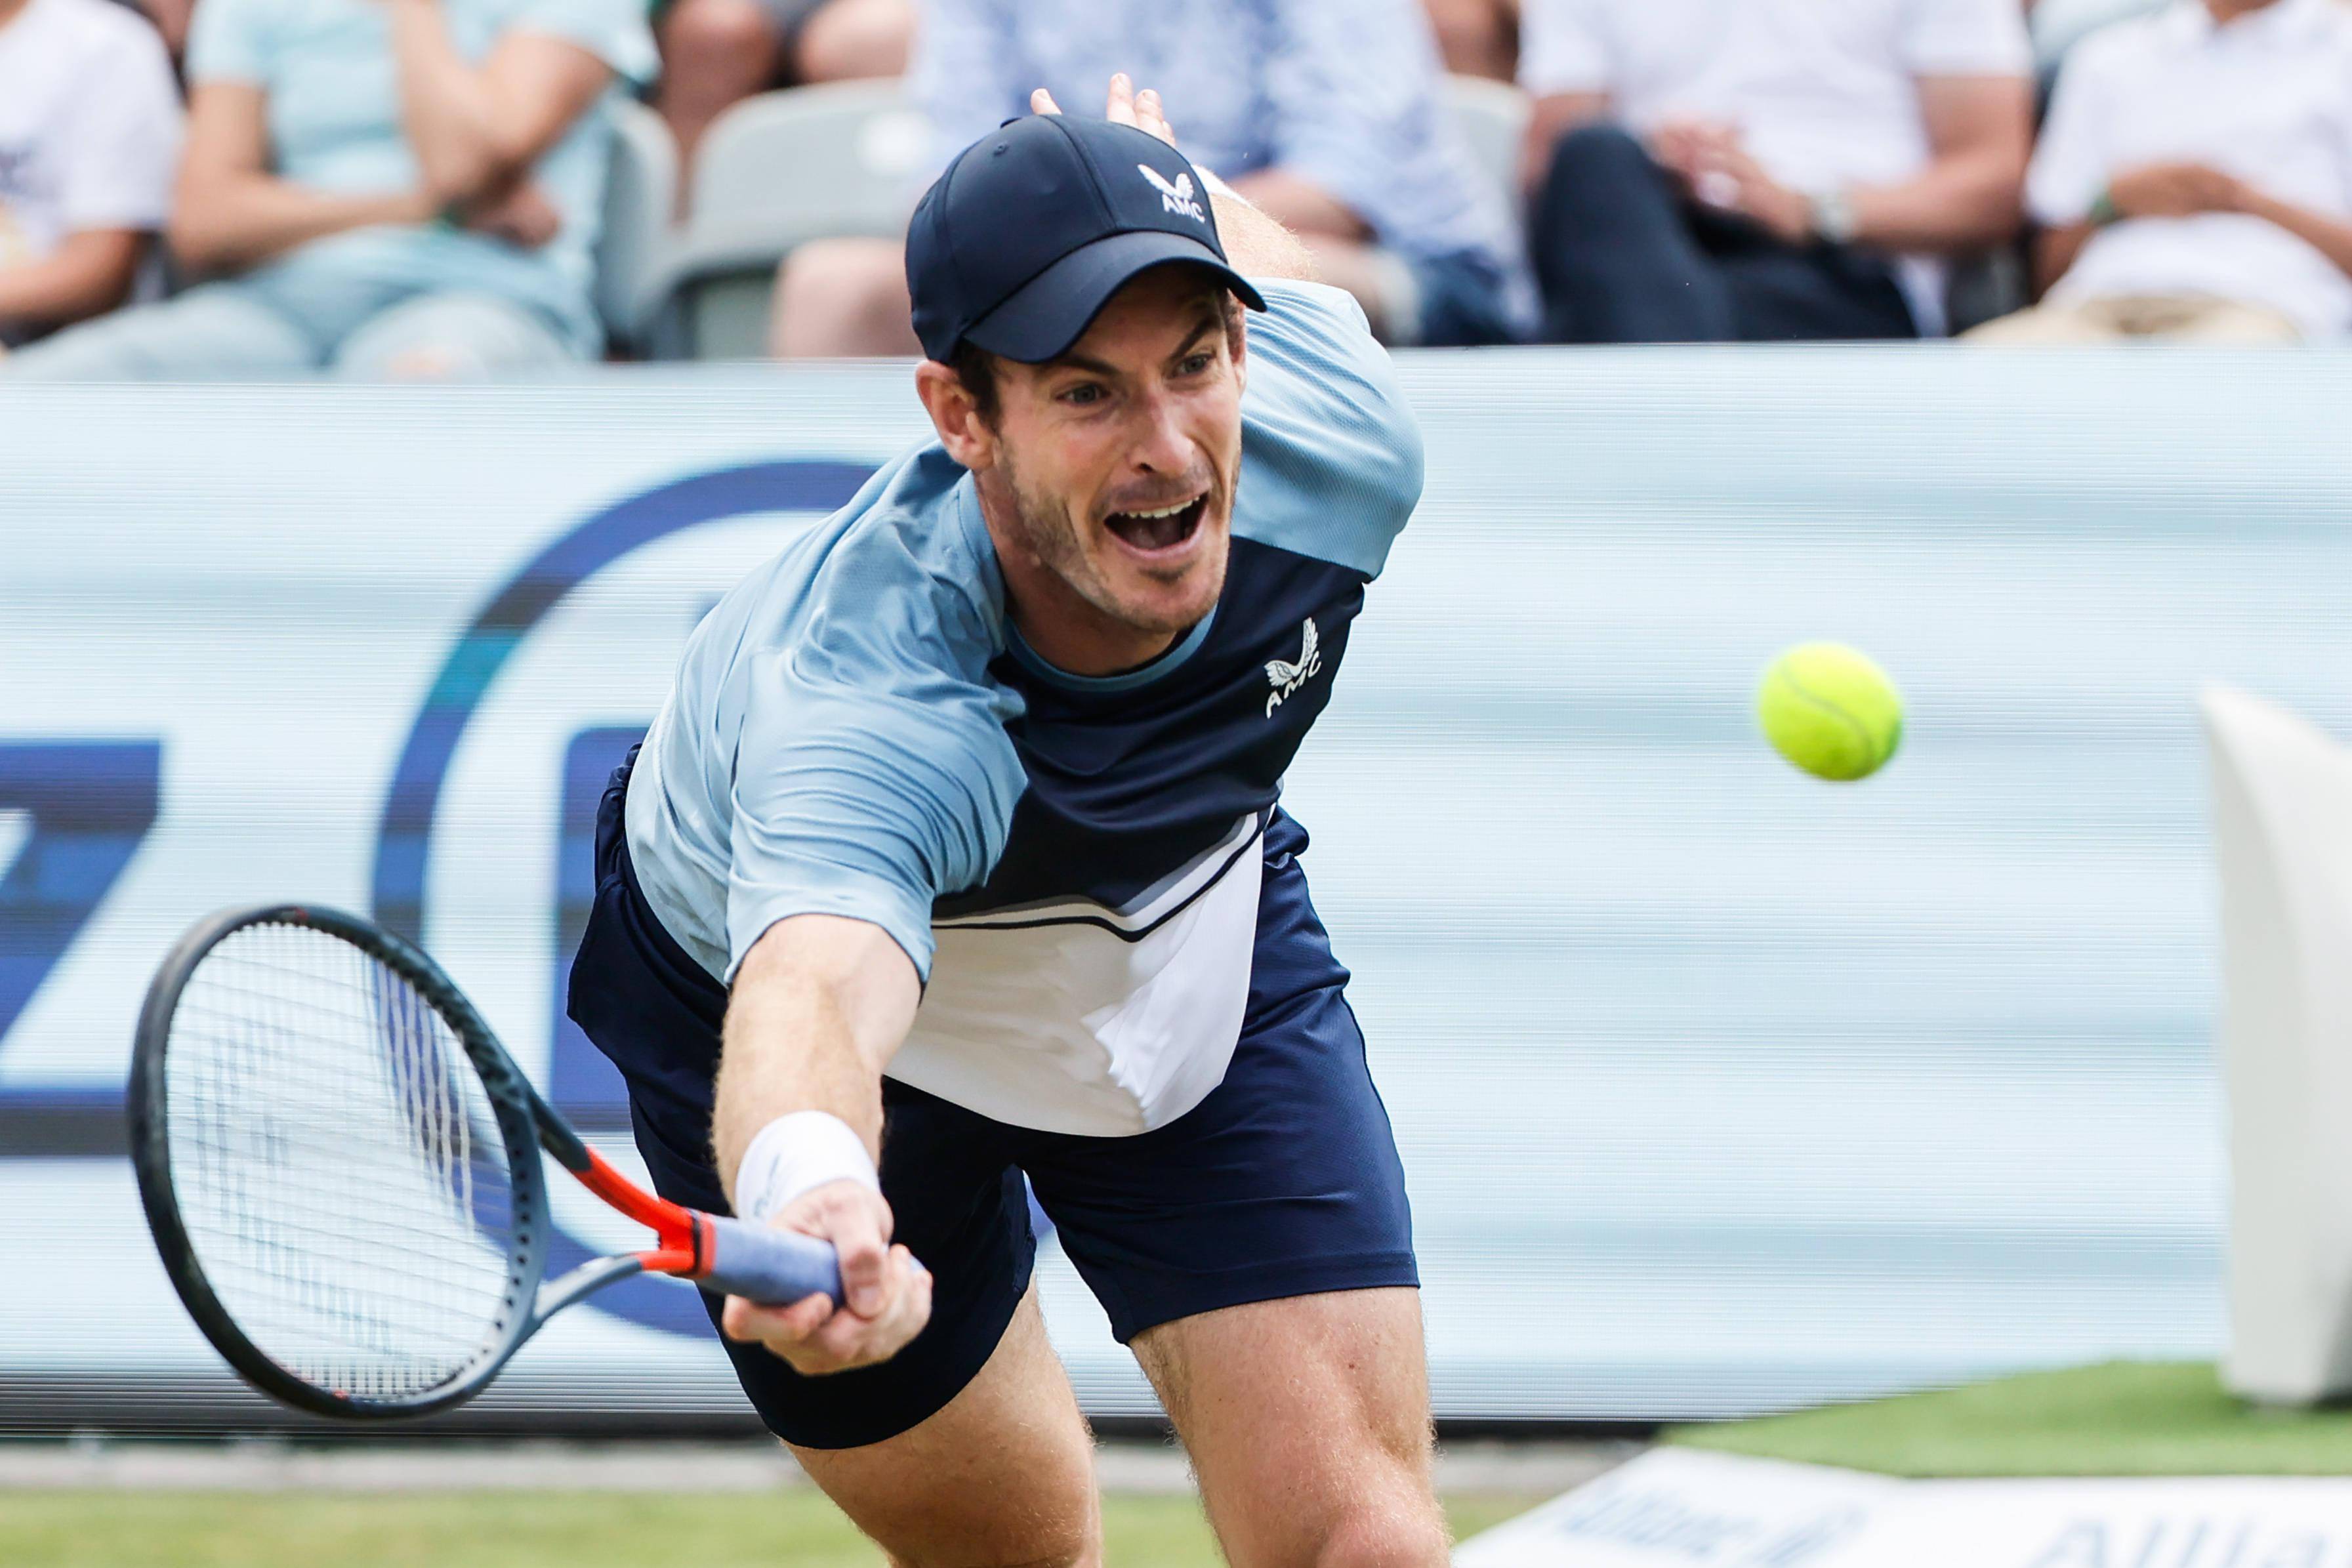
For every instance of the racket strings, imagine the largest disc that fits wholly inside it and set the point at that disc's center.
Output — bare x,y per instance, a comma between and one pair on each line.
338,1165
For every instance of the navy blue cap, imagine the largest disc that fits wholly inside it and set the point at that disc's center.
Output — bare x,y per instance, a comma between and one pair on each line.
1035,225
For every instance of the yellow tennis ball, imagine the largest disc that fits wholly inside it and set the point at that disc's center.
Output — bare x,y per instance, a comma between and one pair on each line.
1831,710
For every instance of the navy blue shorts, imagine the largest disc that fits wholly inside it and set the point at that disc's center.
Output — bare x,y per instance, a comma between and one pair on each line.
1283,1181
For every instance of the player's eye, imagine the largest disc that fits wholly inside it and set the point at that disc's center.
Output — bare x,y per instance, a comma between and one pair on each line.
1086,395
1195,363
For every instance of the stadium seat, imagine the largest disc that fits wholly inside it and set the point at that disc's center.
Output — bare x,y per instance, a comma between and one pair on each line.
773,171
640,193
1492,117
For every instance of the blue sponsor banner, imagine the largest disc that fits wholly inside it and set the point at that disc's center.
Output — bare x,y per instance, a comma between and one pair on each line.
1721,1088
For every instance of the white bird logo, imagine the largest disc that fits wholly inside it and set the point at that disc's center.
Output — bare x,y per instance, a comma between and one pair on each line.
1286,677
1178,197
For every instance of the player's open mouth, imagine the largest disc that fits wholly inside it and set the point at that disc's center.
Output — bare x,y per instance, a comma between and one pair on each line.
1162,528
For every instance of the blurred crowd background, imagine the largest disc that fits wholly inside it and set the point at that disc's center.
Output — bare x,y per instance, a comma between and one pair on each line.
470,188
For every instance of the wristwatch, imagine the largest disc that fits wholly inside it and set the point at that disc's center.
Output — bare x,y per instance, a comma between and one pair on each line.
1834,218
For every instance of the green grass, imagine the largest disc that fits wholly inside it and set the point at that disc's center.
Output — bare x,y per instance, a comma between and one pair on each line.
2122,1419
531,1530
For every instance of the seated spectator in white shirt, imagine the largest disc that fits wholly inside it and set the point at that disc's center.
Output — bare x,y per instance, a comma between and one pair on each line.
2194,180
89,133
1324,113
1757,170
406,189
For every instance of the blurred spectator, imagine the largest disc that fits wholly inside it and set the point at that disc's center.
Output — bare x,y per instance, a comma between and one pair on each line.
2059,25
90,131
2195,180
391,187
1326,113
1477,37
716,52
1748,170
171,18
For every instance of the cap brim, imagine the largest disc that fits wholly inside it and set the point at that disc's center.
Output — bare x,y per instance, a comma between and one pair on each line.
1052,310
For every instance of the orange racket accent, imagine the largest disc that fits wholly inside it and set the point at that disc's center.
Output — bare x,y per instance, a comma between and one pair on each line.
680,1249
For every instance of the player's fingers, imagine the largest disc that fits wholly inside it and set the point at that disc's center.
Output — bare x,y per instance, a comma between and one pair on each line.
1042,102
848,1340
858,1235
775,1327
1152,116
1120,109
914,1305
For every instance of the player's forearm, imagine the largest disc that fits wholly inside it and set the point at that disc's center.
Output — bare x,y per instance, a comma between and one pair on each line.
1255,245
240,220
819,1007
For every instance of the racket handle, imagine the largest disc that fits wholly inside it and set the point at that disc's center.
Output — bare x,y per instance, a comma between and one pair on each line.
772,1268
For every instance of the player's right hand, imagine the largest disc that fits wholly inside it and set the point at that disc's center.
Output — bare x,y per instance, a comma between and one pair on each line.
890,1293
1125,107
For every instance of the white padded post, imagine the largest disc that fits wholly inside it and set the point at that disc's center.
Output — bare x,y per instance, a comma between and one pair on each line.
2283,831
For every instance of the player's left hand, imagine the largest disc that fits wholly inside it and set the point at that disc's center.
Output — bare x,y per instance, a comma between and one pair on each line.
1125,107
890,1292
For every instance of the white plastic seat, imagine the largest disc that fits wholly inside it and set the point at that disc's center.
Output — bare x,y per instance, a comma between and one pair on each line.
774,173
640,193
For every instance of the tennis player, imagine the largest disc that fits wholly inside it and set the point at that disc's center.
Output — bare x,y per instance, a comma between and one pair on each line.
956,854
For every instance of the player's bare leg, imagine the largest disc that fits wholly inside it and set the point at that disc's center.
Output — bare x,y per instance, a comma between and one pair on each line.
1001,1478
1308,1423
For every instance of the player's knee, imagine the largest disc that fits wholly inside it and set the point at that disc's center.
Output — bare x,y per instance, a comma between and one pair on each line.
1400,1528
1078,1549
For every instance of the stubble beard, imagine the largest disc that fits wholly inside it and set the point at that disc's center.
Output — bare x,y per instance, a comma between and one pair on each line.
1043,526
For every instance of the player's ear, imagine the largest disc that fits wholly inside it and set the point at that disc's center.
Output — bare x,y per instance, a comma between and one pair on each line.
955,415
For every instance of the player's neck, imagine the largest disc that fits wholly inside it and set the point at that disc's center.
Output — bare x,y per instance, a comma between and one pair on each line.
1070,634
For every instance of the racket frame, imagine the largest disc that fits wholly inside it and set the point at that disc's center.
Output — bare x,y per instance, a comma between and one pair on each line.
684,1239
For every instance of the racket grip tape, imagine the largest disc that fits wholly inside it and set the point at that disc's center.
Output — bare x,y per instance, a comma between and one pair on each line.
772,1268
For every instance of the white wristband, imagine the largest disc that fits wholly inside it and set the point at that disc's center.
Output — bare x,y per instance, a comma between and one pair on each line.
793,1153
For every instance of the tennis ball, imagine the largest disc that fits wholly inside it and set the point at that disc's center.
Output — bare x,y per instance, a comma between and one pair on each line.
1831,710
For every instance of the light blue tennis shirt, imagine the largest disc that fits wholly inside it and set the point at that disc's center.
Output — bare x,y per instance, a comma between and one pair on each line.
332,93
1073,863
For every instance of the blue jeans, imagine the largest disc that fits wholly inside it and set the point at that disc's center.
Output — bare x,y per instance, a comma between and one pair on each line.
241,329
1625,259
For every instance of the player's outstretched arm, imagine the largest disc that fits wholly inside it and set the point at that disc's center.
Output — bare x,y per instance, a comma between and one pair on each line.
819,1007
1255,245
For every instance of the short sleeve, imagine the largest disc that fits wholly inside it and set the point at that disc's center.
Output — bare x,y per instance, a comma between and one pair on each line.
615,31
2070,159
873,776
122,147
1966,37
1563,47
1331,449
228,41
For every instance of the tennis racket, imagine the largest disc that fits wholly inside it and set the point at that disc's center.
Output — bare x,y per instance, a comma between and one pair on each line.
341,1165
